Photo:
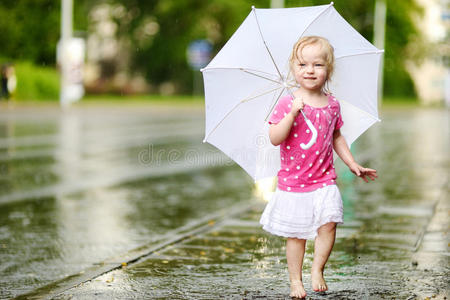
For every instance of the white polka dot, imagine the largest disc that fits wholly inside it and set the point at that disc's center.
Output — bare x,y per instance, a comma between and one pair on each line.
310,165
329,122
289,106
288,147
324,184
315,181
334,113
320,127
332,180
275,112
317,152
323,170
298,167
307,130
325,136
282,158
296,177
302,185
288,188
287,169
295,123
295,135
328,173
285,179
310,175
303,155
321,160
317,115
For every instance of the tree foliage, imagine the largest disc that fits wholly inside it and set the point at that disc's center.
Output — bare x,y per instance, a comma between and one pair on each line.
29,29
162,57
156,33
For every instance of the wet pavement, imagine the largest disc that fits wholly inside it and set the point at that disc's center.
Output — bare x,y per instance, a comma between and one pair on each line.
127,203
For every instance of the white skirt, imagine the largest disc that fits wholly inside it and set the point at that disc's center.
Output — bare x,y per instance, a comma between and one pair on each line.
299,215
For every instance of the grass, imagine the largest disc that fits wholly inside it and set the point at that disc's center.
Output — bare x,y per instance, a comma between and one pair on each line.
408,103
400,102
179,101
36,83
175,100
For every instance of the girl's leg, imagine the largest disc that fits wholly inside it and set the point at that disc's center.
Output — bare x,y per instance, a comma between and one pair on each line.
322,248
295,250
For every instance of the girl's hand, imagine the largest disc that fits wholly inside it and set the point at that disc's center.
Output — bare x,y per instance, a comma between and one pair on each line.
363,172
297,105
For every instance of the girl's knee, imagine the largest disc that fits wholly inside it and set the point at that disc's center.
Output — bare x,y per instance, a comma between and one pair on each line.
328,227
295,240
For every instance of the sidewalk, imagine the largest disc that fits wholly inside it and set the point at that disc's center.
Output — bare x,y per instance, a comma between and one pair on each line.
234,259
197,232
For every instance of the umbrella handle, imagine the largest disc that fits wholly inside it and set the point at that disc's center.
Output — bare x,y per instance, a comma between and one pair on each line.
308,122
313,131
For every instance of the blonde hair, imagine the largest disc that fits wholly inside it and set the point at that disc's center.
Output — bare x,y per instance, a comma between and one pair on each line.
326,47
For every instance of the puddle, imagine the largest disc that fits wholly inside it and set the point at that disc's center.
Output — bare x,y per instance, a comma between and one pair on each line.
375,255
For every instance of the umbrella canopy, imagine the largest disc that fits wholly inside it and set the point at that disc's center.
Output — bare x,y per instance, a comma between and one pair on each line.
251,72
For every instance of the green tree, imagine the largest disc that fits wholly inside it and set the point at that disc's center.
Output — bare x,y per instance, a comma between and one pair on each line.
401,32
157,33
162,57
30,30
161,54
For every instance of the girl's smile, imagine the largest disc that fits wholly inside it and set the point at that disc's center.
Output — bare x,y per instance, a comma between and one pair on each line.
309,69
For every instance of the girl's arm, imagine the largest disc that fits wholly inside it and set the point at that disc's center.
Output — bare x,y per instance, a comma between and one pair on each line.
279,132
341,148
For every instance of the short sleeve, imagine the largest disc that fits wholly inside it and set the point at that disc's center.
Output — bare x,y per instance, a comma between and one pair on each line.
339,122
281,109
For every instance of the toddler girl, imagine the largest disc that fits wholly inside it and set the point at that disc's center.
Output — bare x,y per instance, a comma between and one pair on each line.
307,204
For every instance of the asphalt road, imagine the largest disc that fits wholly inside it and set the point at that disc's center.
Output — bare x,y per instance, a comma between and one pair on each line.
127,202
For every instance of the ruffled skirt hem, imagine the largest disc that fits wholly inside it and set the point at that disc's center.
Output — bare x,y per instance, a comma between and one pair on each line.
302,235
299,215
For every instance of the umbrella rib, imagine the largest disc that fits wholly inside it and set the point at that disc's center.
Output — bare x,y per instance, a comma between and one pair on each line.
237,104
362,53
307,27
249,71
361,110
267,48
235,68
254,74
253,97
273,104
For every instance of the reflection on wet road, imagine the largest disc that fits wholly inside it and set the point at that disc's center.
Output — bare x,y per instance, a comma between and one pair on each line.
80,187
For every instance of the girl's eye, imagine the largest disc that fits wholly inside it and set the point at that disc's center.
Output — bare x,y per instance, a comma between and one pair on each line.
319,65
302,65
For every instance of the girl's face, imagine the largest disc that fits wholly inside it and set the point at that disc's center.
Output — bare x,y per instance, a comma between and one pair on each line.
309,68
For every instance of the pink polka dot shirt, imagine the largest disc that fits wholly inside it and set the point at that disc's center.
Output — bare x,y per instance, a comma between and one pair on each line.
307,170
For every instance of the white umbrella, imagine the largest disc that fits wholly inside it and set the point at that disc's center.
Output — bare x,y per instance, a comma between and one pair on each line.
246,78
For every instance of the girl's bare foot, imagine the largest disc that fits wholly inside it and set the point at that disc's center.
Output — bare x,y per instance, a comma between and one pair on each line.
318,282
297,289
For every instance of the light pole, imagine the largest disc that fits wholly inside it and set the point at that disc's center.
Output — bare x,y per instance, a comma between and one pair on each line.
66,35
379,28
276,3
